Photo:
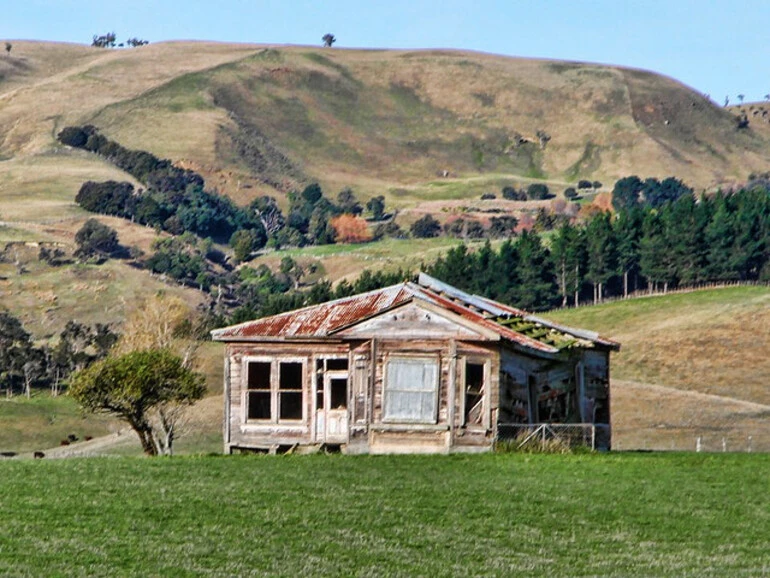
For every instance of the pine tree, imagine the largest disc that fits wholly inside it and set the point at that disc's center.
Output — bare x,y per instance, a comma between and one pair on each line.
507,267
602,256
628,231
654,255
537,289
568,254
719,240
685,224
749,252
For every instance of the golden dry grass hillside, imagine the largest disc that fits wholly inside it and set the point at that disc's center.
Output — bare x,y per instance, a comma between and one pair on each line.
691,365
429,130
257,119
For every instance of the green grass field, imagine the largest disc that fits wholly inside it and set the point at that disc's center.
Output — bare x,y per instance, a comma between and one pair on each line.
42,421
490,515
714,341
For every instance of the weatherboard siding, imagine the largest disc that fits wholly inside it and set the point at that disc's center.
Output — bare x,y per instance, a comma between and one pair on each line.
416,354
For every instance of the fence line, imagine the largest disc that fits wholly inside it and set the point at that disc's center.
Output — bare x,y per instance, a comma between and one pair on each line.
642,293
755,442
545,436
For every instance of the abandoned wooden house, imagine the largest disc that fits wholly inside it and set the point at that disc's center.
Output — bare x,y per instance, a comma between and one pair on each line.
415,367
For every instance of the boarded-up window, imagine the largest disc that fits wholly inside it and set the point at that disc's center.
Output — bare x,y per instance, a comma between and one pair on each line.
411,390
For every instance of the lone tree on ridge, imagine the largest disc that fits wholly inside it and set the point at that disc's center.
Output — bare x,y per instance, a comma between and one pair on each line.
328,39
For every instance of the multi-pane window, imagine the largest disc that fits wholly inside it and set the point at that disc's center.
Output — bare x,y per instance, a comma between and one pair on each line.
259,395
411,389
290,391
274,391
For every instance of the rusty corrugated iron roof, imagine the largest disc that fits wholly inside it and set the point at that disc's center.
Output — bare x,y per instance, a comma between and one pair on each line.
319,320
322,321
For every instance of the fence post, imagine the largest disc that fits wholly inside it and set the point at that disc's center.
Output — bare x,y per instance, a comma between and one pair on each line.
697,444
724,445
749,448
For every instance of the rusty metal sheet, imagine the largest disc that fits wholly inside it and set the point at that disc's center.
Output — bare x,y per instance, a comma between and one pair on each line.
320,321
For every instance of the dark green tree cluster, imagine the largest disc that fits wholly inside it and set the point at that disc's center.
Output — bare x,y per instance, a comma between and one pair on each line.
175,199
533,192
520,272
25,365
185,258
104,40
679,243
425,227
502,227
309,217
96,240
630,192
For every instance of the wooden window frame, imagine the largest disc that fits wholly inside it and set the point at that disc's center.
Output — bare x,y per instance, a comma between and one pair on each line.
275,390
486,364
435,391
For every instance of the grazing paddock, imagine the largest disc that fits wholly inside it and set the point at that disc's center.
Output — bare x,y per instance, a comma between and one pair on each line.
492,515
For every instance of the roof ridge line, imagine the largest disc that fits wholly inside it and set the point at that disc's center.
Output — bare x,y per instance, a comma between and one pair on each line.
323,304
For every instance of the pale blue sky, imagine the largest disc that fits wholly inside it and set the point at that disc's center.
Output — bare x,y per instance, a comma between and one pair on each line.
718,47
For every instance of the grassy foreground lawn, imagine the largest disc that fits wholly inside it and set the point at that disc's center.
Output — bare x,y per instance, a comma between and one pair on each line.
584,515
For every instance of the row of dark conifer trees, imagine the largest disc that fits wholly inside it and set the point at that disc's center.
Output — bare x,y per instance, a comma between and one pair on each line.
724,237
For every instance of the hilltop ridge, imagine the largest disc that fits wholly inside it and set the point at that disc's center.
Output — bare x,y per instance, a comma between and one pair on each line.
410,124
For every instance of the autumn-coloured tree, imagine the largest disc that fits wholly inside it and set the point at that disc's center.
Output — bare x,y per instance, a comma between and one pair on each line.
351,229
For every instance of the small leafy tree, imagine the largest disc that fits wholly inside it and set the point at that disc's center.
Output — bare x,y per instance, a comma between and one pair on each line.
104,41
350,229
292,270
328,40
8,47
502,227
269,214
626,193
425,227
135,385
376,206
245,242
513,194
538,192
347,202
96,240
16,349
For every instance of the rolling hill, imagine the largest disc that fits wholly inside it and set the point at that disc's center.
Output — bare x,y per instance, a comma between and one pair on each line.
423,128
258,119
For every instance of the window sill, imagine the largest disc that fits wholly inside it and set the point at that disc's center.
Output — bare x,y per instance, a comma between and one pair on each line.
299,426
405,426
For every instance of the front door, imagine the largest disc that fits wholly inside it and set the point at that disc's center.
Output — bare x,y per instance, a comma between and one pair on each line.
332,406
